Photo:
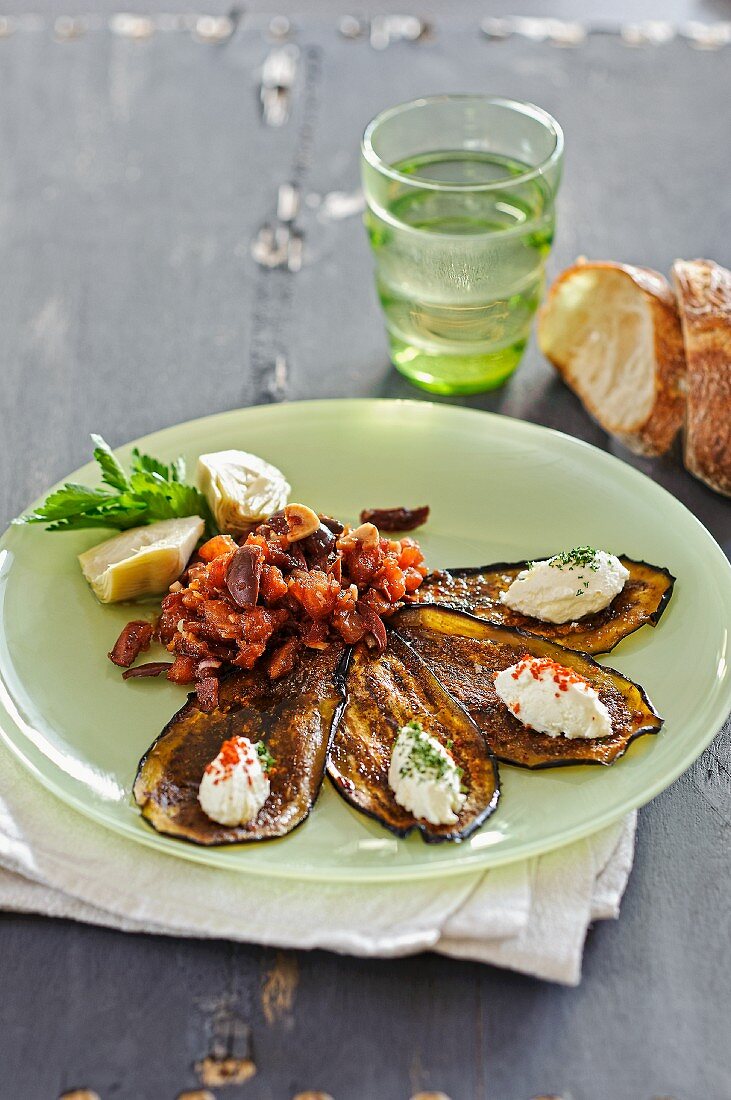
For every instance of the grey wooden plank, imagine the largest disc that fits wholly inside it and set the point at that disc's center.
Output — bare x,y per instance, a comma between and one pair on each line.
613,10
134,176
647,1019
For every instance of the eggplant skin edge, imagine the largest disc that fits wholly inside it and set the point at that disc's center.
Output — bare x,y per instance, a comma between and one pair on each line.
417,825
426,836
647,730
471,570
651,731
339,681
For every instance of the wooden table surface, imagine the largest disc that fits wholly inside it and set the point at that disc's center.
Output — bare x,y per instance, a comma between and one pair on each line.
134,176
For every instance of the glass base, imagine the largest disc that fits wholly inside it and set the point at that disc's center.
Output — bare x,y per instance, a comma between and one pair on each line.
440,372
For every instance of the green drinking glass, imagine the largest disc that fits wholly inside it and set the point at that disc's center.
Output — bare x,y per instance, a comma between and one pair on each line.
460,195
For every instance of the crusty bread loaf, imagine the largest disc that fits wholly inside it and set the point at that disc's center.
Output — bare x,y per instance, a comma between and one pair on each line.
612,332
704,301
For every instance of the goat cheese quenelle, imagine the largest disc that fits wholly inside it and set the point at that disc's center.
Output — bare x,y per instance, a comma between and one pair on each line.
424,777
567,586
549,698
235,785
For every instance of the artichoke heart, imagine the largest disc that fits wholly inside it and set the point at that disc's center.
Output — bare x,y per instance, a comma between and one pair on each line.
143,561
241,489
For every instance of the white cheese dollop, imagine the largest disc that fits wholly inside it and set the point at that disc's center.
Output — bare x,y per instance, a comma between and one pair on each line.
567,586
234,786
241,488
424,778
550,698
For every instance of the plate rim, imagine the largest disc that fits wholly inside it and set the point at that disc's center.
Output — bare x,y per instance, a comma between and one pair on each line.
472,862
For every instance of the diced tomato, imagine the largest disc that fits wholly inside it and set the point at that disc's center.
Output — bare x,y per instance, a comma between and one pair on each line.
216,547
301,600
410,554
248,655
412,579
216,572
363,563
258,625
192,645
182,671
278,550
315,591
380,603
284,658
315,634
349,624
221,620
173,610
260,541
272,586
192,599
390,579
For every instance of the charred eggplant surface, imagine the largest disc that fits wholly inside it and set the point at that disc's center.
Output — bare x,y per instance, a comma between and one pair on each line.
642,600
383,694
465,652
294,718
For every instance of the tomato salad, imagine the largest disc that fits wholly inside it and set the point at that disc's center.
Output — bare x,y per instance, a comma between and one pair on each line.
298,580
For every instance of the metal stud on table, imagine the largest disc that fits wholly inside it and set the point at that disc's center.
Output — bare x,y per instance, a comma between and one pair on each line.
127,25
288,202
280,244
350,26
652,32
395,28
215,28
68,27
277,77
707,36
496,28
280,27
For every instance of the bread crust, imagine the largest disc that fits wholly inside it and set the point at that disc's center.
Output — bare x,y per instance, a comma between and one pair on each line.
655,435
703,290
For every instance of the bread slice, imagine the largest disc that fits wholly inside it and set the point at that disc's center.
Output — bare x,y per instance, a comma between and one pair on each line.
704,301
612,332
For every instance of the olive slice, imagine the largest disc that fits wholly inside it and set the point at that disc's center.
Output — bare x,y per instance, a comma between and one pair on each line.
465,652
642,600
384,693
293,716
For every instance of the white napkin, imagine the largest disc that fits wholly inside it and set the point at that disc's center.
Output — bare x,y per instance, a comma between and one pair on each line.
530,916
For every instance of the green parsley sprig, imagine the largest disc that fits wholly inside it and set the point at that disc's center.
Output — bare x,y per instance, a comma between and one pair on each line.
579,556
151,491
266,758
424,758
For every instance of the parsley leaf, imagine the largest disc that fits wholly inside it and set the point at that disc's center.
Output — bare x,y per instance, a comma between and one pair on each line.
146,464
152,491
580,555
112,472
266,758
69,500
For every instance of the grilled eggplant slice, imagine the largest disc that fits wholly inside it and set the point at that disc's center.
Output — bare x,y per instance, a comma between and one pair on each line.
642,600
294,717
384,693
464,652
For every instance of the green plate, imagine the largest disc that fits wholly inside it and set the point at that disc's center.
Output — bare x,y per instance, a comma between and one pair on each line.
499,489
